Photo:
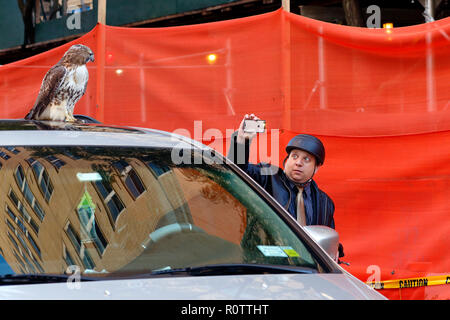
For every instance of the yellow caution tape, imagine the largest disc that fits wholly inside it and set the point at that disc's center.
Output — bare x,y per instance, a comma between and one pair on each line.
411,282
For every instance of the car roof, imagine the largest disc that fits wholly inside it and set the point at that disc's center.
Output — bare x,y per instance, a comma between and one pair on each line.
20,132
20,125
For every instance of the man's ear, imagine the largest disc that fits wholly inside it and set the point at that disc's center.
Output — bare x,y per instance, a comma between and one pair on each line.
316,169
284,161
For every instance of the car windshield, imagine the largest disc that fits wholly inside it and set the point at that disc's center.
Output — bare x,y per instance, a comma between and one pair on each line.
131,211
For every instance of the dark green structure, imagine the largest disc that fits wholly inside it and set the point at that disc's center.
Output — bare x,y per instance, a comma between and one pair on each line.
118,13
11,25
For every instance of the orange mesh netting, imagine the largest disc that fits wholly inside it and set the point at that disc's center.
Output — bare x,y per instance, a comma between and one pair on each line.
378,98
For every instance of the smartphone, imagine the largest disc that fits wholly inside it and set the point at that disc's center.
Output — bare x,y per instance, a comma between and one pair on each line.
254,126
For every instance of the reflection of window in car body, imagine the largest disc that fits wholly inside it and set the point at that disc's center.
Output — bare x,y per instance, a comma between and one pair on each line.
130,178
110,198
29,196
42,178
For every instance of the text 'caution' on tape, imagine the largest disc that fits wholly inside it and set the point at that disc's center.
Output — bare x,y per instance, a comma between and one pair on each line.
411,282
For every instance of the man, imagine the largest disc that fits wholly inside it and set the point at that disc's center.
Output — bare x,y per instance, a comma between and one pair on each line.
293,187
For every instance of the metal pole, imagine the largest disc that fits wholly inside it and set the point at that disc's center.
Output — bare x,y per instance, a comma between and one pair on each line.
101,11
229,80
100,59
143,88
286,5
429,10
322,74
286,65
431,91
431,84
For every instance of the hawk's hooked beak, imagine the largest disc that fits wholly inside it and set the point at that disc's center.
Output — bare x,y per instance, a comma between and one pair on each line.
91,58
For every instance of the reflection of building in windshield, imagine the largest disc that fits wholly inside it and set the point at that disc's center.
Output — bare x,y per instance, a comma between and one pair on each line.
96,209
44,226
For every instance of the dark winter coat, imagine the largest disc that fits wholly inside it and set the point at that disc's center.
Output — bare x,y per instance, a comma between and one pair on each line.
319,206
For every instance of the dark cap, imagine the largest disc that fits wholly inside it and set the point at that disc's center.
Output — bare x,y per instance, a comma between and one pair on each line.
309,144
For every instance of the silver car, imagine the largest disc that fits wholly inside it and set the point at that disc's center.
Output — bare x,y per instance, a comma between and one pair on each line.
105,212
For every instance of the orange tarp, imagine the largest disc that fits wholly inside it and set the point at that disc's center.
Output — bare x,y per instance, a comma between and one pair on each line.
378,98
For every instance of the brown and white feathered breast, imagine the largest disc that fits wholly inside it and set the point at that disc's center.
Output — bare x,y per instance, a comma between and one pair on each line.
74,86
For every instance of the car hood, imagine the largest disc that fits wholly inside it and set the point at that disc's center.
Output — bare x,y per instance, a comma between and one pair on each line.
243,287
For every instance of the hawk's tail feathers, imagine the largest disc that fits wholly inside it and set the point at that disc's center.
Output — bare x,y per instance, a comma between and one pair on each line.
29,116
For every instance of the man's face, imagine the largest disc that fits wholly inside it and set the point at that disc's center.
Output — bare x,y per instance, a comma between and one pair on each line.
300,166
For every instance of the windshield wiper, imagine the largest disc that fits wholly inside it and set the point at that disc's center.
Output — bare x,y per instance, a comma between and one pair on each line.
33,278
228,269
207,270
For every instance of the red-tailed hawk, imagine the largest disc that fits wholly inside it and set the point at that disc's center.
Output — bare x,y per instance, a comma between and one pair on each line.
63,85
